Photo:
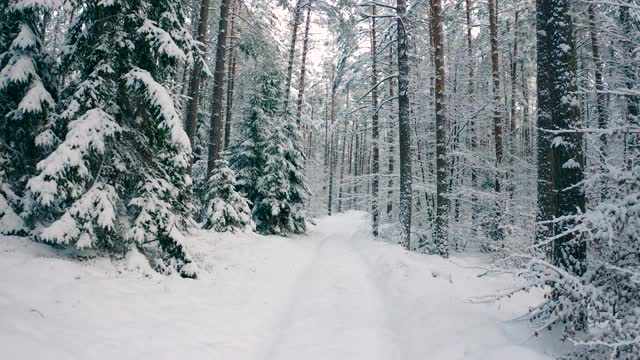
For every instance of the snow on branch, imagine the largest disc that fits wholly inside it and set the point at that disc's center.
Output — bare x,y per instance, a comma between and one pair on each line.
88,133
161,40
160,99
95,208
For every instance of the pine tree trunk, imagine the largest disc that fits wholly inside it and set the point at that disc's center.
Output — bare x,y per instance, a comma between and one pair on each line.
351,161
356,164
497,114
231,76
558,191
326,125
216,141
332,149
341,181
196,76
297,13
404,125
527,136
390,140
305,48
375,161
631,80
512,116
442,206
599,70
472,122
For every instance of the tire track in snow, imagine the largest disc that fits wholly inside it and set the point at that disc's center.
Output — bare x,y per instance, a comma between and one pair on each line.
336,312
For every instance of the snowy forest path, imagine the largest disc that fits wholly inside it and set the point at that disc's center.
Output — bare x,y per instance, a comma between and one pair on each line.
334,294
337,311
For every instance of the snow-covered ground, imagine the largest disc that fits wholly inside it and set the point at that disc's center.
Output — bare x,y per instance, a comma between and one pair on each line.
334,294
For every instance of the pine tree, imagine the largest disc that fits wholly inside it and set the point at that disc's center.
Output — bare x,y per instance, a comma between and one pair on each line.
26,101
227,210
118,176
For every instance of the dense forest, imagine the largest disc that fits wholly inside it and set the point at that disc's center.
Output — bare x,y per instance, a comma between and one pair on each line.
506,127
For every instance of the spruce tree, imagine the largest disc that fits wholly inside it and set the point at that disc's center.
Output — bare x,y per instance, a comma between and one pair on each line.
247,153
281,190
268,159
227,209
118,176
26,101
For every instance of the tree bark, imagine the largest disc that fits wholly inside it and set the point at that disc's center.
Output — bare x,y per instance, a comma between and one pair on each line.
191,120
404,124
332,149
514,73
560,157
390,139
231,76
631,79
497,114
303,64
216,141
472,122
297,12
341,181
375,161
442,206
598,73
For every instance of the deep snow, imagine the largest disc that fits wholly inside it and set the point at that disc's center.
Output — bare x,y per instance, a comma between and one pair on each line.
334,294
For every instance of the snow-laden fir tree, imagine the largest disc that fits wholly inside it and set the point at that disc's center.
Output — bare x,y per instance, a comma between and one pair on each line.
268,160
227,210
281,190
247,153
26,101
117,176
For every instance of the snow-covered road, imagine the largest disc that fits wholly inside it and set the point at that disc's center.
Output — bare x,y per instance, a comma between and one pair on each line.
334,294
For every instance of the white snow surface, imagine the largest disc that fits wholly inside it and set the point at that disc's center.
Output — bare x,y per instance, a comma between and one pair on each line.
334,294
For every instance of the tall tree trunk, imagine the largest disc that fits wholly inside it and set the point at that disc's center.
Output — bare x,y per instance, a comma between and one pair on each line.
512,110
303,65
375,161
390,139
352,163
404,124
216,140
191,120
514,73
631,65
332,149
326,125
497,114
559,165
601,98
297,13
356,164
341,181
472,122
599,70
527,141
442,206
231,76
